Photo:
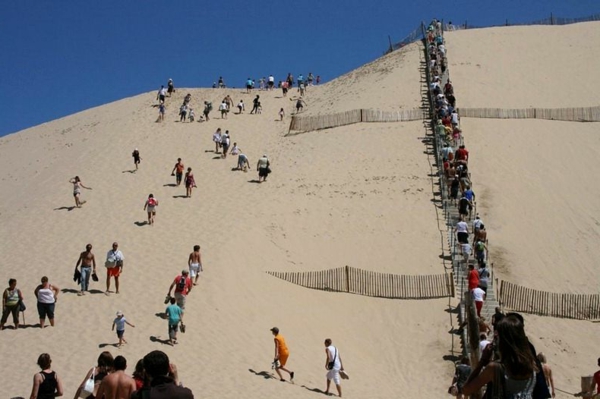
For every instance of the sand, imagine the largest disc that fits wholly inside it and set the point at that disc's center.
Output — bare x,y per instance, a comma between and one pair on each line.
359,195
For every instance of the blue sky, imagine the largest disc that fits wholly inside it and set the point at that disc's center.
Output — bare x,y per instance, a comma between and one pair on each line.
61,57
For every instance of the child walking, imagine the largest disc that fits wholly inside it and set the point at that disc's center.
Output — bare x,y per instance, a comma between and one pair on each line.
120,322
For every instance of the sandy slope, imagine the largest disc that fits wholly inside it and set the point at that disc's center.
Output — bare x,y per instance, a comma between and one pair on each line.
526,66
358,195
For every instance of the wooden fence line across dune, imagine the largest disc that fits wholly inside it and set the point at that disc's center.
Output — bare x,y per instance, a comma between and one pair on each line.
363,282
570,306
301,123
581,114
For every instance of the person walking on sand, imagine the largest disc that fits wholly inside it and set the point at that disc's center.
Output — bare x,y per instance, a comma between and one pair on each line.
136,158
225,141
547,372
150,207
241,107
178,171
117,385
77,186
195,264
281,114
207,109
11,303
174,316
281,354
47,295
120,322
87,260
190,182
160,96
256,104
183,286
114,266
235,150
46,384
263,167
161,113
300,105
333,365
217,140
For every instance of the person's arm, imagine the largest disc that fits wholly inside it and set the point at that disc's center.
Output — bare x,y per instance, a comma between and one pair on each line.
341,363
35,292
551,380
87,376
477,378
56,290
81,184
171,287
79,260
59,386
174,374
94,261
145,205
37,380
190,285
5,297
101,390
276,349
326,359
190,259
129,324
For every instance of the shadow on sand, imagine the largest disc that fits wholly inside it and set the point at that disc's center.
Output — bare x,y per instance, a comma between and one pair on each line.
65,208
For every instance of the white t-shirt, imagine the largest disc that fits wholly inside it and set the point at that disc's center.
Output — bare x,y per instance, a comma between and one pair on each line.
462,227
466,249
482,345
114,256
478,294
455,118
271,78
337,365
477,223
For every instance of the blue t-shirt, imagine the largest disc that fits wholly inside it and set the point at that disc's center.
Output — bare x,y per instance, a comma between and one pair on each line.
174,313
469,194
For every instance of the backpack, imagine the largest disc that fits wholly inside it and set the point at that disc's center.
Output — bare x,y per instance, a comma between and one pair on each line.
181,283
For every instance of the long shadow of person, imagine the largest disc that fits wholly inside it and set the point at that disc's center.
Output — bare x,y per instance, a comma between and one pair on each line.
65,208
265,374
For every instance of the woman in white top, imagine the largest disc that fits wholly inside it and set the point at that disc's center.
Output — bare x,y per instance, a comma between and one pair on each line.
77,186
46,295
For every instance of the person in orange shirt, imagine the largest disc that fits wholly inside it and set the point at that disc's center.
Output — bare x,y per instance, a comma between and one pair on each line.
281,354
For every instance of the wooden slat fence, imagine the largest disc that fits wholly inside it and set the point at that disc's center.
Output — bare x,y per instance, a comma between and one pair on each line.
569,306
363,282
582,114
301,123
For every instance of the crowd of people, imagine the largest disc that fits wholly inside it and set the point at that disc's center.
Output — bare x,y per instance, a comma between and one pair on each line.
509,366
187,113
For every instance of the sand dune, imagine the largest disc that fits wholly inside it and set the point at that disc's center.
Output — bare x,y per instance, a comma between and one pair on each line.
360,195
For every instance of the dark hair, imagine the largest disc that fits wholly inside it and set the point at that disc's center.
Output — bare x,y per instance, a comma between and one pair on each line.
328,341
105,360
156,364
196,247
12,281
139,372
465,360
120,363
172,300
44,361
44,279
514,348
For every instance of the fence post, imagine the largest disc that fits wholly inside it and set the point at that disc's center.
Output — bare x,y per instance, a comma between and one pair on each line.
347,278
452,284
473,334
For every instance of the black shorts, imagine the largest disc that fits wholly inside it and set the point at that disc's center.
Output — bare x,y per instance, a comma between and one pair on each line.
248,87
263,172
120,333
463,238
45,309
179,176
161,98
271,84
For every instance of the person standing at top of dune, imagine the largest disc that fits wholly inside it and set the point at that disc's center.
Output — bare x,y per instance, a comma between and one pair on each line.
195,264
136,158
281,354
87,260
150,206
160,96
179,169
221,82
77,186
170,87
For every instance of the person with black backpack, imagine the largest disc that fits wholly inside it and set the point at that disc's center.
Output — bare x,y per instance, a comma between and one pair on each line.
183,286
